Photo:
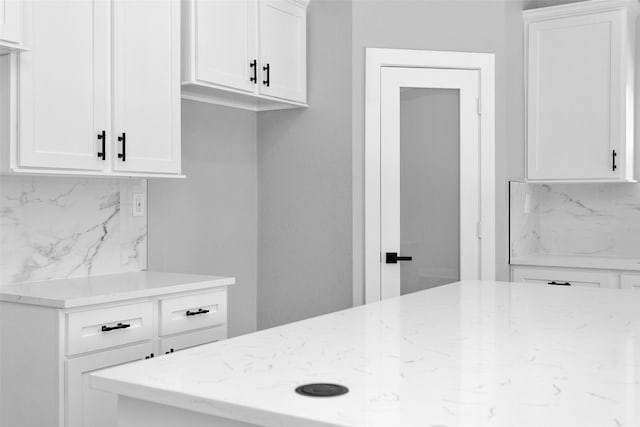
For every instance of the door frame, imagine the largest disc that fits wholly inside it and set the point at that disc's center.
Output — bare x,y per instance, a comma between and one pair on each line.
377,58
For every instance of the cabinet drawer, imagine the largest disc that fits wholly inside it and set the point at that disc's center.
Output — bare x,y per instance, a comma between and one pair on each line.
562,277
192,339
189,312
630,281
109,327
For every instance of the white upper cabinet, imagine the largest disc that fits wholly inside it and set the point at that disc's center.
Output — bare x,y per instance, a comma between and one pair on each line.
63,92
580,92
98,91
220,46
248,54
283,41
146,86
10,26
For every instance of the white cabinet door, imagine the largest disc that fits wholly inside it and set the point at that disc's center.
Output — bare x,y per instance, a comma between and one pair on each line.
576,98
146,79
565,277
224,44
11,21
63,84
86,406
283,49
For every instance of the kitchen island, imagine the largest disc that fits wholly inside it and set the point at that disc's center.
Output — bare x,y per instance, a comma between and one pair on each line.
467,354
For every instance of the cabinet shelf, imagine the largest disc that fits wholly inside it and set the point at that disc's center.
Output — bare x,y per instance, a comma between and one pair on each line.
11,48
87,174
202,92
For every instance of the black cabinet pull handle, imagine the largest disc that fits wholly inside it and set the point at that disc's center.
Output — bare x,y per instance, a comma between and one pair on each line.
113,328
267,68
149,356
254,65
613,160
194,313
102,136
559,283
393,258
123,139
170,351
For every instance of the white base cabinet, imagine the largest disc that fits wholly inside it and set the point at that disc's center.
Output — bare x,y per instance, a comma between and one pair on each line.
565,277
249,54
580,92
630,281
48,352
555,276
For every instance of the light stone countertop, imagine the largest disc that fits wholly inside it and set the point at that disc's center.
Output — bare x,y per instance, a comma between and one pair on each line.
467,354
82,291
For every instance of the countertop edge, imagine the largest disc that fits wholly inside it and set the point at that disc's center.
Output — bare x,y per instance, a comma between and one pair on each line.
216,408
116,297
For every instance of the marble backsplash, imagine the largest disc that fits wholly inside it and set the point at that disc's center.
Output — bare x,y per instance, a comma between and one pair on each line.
58,227
600,220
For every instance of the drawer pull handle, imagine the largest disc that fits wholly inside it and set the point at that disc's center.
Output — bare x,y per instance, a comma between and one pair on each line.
113,328
559,283
200,311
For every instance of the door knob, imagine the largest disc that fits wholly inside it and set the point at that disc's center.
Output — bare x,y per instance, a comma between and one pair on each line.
393,258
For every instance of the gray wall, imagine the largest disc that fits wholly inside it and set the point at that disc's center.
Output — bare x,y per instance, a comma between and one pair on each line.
304,170
310,231
207,223
472,26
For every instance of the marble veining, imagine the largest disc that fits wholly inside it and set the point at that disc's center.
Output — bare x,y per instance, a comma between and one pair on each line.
592,220
53,228
467,354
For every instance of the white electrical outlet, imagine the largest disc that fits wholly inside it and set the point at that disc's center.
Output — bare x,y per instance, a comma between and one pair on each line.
138,204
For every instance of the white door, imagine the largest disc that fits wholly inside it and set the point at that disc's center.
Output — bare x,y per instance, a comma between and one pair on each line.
576,98
429,178
11,21
63,84
226,43
87,407
283,47
146,79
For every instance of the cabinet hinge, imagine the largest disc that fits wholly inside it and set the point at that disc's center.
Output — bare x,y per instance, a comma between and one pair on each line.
479,107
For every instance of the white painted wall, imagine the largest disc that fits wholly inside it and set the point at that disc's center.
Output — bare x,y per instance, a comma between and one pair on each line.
207,223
